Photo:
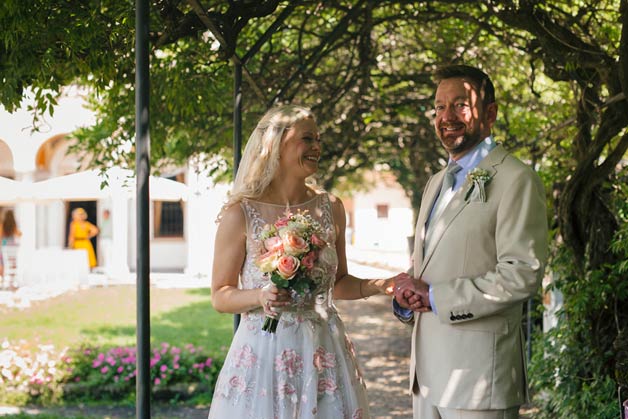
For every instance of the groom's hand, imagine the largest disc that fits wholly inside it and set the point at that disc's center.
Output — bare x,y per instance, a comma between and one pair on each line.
420,300
404,290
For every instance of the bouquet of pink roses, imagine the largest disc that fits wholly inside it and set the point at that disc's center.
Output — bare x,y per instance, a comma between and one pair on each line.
291,247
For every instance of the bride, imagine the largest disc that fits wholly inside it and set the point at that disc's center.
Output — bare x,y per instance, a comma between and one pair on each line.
307,368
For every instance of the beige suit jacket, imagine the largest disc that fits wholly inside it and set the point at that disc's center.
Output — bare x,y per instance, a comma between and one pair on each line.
486,259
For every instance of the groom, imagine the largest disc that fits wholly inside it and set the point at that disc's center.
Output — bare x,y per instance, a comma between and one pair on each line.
479,254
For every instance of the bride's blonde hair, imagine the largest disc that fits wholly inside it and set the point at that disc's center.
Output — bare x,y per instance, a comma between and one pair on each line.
260,158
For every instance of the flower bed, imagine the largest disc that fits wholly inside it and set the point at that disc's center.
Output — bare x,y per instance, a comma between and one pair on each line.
42,375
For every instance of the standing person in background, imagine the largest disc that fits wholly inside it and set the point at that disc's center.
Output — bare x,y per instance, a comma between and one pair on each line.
479,254
9,234
81,231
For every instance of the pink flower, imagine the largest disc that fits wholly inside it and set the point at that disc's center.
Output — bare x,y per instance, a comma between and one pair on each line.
317,241
327,385
282,222
290,362
323,359
273,244
294,244
104,370
287,266
243,358
308,260
157,381
285,390
237,383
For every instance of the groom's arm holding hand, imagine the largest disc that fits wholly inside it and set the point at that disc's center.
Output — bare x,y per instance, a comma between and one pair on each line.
410,296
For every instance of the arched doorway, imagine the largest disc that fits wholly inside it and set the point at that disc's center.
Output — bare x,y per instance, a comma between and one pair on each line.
6,161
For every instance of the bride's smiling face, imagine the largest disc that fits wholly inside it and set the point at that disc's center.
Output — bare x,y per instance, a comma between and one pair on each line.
301,148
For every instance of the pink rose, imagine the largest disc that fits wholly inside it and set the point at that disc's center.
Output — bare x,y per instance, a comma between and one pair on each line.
244,357
285,390
237,383
294,244
287,266
282,222
273,244
323,359
317,241
308,260
327,385
289,361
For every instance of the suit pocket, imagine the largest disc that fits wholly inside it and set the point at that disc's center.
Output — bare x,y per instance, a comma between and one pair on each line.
494,324
480,253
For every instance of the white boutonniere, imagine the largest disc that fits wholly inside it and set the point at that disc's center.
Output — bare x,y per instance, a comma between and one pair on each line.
478,178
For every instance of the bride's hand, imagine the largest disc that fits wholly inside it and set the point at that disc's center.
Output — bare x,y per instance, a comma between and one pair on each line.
389,286
272,297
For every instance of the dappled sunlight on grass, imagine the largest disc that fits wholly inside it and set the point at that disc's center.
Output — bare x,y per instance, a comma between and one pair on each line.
107,316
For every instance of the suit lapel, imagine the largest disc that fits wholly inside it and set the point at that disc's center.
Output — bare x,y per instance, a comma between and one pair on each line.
440,225
455,206
429,196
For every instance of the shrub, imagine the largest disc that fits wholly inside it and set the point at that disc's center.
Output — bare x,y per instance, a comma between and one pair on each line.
579,366
41,375
110,374
28,373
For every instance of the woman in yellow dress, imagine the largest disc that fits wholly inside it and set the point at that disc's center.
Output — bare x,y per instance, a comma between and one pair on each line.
81,231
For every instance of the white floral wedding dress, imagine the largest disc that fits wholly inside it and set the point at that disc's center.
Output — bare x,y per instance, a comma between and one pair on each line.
308,368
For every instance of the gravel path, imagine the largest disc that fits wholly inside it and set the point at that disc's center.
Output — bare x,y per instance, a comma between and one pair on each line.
383,346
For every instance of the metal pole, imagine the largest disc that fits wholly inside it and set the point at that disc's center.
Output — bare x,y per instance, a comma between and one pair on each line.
237,137
142,162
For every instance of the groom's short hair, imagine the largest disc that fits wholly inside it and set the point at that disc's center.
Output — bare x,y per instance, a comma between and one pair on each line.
480,79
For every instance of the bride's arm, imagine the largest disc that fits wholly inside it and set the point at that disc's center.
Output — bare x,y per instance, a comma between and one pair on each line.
347,286
229,254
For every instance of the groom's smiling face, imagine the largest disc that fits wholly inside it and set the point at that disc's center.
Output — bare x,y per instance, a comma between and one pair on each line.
461,119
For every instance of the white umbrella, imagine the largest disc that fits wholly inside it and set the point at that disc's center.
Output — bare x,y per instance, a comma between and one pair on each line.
80,186
87,185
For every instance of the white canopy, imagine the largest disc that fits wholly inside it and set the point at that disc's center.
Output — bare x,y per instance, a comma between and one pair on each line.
86,185
12,191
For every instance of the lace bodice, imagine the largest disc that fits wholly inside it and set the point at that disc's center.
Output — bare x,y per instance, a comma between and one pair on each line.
258,214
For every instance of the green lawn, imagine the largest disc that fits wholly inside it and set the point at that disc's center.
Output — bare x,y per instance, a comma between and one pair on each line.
107,316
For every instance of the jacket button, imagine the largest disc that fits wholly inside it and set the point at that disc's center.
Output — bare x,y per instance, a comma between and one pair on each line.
470,315
452,318
458,317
